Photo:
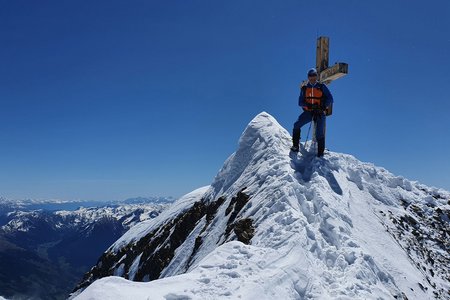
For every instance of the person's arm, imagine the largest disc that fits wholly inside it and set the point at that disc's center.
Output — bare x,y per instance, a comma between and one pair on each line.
328,97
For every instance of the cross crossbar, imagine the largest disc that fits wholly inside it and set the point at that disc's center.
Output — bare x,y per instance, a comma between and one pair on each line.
335,72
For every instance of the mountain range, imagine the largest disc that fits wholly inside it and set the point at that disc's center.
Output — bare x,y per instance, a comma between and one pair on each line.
45,250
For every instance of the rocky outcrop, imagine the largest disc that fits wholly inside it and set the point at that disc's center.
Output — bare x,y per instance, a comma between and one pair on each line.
423,231
147,258
244,230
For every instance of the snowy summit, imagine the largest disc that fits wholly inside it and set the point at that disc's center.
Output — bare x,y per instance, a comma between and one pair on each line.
277,225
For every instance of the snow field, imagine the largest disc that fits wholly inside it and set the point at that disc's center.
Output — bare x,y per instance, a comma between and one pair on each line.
318,232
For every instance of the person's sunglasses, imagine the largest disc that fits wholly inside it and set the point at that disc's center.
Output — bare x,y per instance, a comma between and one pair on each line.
312,75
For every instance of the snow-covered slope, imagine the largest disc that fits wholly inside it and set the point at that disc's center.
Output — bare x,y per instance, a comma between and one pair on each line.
274,225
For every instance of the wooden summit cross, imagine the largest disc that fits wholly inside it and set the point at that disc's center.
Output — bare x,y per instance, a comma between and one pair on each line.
327,74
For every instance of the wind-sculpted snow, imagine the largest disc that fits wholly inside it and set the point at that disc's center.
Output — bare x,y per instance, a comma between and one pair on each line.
318,228
263,138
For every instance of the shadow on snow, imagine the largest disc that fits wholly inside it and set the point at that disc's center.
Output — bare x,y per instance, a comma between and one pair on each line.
306,163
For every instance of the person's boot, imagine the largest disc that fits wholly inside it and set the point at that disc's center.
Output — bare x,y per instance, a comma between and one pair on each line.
295,140
320,147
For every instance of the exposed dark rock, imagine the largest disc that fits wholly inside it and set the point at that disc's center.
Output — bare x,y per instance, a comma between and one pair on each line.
437,196
210,214
235,206
157,260
211,210
404,203
157,247
244,230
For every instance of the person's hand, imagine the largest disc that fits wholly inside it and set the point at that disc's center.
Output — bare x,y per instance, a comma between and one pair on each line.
318,112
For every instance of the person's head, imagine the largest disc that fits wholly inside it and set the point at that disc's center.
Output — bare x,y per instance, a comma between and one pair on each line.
312,75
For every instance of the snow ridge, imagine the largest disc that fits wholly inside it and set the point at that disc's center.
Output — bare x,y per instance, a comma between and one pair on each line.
332,228
263,136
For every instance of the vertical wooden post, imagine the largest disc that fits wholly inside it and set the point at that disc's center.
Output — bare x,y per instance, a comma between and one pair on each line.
322,53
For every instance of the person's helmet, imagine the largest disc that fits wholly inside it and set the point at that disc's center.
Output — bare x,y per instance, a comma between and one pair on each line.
312,72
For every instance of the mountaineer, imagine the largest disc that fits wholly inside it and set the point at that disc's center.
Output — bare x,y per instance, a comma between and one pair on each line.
316,101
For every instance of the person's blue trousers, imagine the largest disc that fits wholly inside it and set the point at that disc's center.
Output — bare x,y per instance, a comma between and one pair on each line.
305,118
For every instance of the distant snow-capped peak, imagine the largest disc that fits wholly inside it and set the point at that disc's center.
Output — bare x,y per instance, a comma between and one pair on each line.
128,215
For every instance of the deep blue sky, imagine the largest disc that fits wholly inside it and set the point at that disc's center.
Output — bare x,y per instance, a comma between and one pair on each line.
113,99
